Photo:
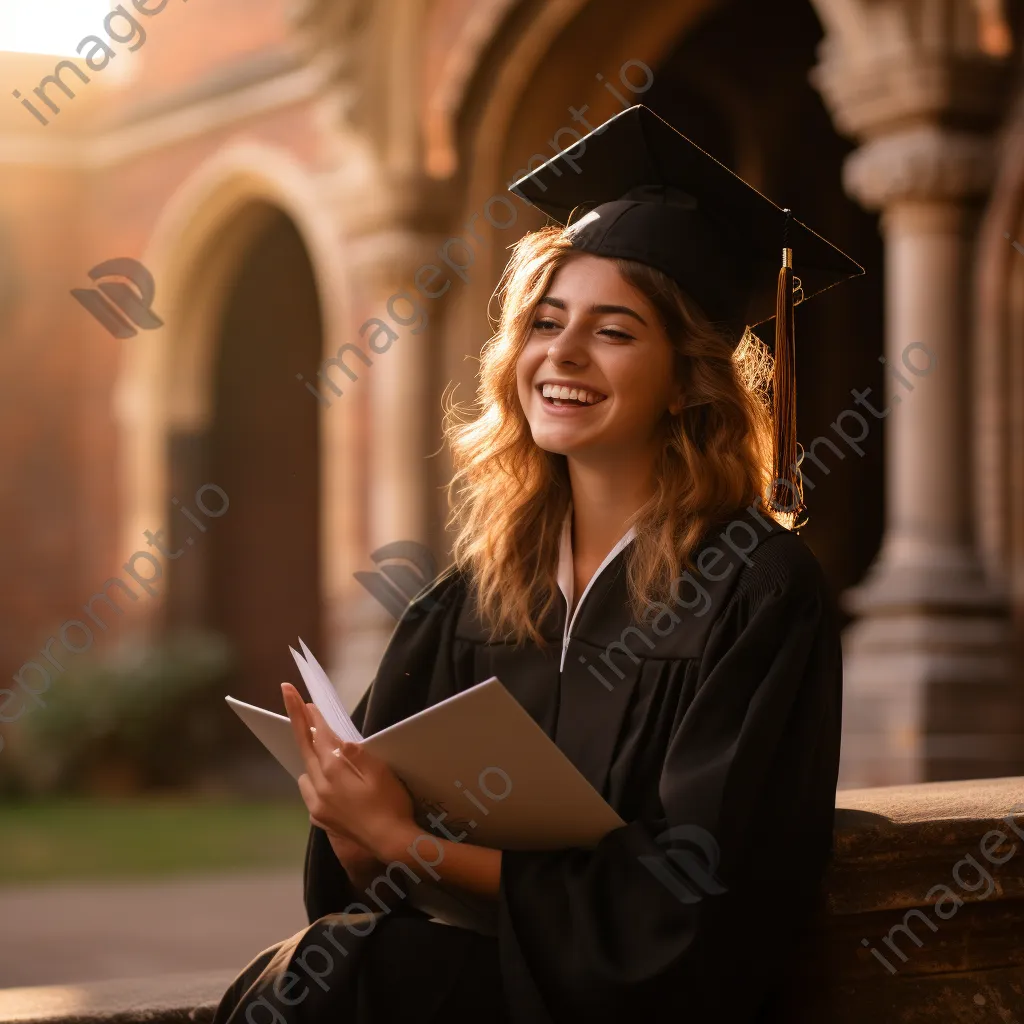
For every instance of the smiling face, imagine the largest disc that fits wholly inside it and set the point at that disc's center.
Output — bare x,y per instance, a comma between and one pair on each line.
592,331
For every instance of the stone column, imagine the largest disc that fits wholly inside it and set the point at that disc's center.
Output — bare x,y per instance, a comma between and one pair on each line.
927,693
398,421
927,690
396,327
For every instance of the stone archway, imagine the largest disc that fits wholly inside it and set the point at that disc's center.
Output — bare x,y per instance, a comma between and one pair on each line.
248,200
260,574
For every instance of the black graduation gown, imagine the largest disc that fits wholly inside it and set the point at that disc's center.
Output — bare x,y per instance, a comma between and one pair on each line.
720,719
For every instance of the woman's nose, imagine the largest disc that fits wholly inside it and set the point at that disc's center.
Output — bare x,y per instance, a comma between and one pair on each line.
569,345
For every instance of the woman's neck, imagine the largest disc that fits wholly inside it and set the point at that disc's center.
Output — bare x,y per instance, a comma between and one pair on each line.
603,503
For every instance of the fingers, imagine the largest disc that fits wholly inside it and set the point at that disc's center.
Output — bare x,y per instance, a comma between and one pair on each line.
318,809
323,730
292,698
367,764
331,743
361,757
310,796
298,715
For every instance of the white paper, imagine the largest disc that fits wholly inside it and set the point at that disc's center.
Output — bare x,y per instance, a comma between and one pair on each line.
324,696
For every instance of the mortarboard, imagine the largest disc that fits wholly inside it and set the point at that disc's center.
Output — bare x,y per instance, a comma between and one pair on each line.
657,198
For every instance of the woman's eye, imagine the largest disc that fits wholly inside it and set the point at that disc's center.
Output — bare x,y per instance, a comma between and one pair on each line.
611,332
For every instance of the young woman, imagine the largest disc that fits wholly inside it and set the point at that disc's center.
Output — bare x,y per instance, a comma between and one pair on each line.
617,567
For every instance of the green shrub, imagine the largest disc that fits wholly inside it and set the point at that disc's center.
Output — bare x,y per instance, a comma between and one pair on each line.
144,716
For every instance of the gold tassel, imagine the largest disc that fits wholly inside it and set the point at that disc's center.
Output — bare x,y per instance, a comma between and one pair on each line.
787,494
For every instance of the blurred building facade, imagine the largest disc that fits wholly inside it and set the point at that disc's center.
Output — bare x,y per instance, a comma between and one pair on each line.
319,191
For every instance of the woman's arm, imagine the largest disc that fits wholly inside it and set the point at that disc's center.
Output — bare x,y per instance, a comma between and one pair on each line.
476,869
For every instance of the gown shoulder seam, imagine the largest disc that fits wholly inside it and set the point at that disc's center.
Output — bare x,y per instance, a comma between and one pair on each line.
782,562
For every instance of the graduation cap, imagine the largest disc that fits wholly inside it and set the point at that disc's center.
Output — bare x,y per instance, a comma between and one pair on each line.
647,193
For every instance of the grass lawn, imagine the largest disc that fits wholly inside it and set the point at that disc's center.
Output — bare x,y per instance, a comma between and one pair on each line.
152,838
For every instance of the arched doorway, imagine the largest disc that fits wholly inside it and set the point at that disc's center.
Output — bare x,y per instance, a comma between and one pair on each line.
258,578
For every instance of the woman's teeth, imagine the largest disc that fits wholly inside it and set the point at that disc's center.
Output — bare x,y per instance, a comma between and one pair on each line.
562,395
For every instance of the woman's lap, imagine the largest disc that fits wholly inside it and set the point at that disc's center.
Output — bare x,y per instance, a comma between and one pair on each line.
404,965
418,967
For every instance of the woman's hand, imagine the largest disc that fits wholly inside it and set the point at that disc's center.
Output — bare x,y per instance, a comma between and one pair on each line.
355,797
361,866
347,790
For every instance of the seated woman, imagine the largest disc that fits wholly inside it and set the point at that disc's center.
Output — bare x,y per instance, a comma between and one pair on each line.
623,565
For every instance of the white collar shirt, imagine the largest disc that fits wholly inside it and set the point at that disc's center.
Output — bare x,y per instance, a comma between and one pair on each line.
565,575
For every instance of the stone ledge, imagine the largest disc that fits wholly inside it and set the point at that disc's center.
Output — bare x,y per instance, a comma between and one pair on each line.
167,998
893,842
880,951
969,800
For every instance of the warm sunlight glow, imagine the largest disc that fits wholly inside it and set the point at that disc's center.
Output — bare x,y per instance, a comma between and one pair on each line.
994,35
50,26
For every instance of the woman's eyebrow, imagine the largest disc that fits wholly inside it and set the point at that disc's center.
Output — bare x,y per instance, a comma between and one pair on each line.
550,300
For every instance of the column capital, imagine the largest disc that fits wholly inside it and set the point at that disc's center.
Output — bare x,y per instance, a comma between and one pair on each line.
885,64
335,35
925,163
386,201
370,53
389,258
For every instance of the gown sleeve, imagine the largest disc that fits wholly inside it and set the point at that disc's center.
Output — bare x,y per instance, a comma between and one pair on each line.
750,770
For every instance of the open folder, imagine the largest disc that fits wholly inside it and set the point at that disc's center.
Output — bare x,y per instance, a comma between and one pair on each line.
479,768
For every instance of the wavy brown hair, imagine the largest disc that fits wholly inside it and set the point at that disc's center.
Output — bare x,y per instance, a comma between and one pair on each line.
513,495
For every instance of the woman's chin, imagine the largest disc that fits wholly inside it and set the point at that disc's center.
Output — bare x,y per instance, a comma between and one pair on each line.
559,443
